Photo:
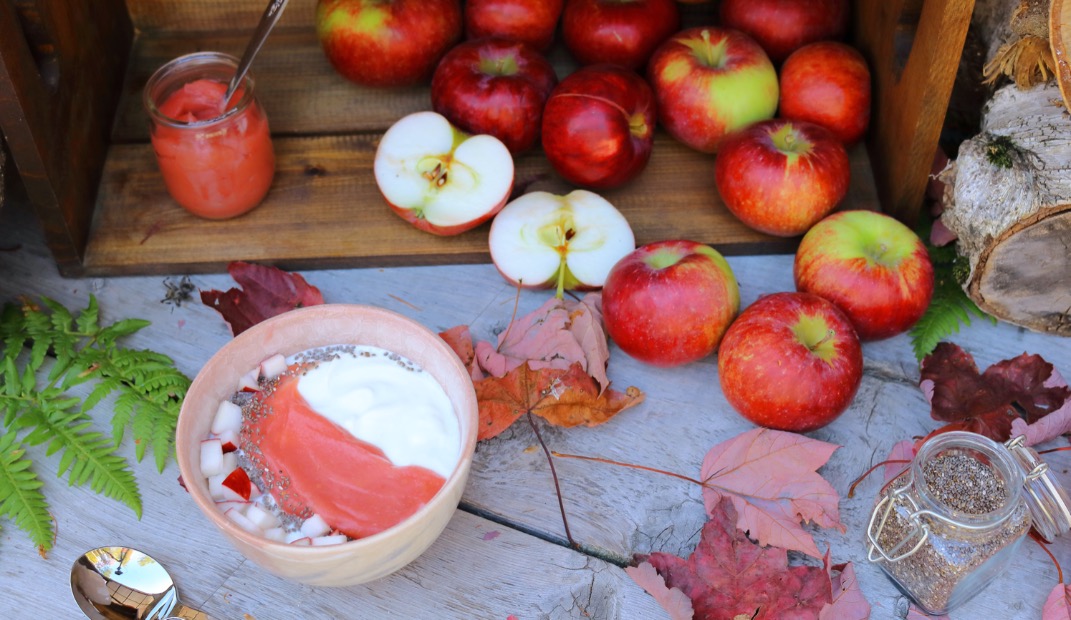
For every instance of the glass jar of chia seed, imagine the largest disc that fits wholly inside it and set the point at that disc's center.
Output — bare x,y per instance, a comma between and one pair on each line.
947,525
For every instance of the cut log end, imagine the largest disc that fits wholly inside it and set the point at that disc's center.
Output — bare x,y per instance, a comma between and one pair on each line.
1025,276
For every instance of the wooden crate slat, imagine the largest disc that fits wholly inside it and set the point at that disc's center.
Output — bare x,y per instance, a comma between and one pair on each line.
300,91
324,210
192,16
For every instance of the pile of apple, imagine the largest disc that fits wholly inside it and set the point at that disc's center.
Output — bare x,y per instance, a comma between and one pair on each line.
792,360
229,484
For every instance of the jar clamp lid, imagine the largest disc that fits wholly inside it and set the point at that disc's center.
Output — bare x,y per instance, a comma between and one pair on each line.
1046,500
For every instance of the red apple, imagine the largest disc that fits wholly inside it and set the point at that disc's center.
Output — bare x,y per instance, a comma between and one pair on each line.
440,179
528,21
790,361
622,32
780,177
494,86
387,42
669,303
783,26
875,269
598,126
709,82
828,83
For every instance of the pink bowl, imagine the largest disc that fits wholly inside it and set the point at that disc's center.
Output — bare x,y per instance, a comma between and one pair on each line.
360,560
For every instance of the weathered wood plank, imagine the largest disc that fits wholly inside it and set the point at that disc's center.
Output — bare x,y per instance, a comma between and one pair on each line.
613,511
324,210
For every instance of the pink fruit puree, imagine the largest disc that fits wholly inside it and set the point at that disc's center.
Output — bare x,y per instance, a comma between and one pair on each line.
218,170
348,482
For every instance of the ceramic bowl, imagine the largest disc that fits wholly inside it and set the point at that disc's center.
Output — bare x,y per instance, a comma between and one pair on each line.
357,561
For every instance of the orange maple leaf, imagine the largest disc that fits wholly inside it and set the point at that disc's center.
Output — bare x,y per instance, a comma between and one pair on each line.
562,397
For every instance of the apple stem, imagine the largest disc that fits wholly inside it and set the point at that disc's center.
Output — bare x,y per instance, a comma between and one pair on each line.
825,339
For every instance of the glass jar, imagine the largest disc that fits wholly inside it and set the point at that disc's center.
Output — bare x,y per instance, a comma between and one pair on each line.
217,164
949,524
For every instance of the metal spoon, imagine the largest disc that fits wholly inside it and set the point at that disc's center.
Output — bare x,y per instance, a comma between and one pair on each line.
267,21
120,582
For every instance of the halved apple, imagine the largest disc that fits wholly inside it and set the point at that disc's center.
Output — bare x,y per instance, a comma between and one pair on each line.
439,178
544,240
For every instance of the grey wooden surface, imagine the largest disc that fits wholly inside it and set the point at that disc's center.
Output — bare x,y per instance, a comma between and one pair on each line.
501,555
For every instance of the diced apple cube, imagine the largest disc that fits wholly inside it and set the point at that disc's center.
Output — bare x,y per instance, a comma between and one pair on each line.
228,418
211,457
297,538
242,521
315,526
276,534
238,482
272,367
250,381
229,440
228,462
239,505
264,519
330,539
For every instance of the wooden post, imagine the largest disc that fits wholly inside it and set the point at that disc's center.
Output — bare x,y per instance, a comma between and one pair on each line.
62,64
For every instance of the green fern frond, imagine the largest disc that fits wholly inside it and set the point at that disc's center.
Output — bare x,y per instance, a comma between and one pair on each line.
20,493
87,456
949,309
148,392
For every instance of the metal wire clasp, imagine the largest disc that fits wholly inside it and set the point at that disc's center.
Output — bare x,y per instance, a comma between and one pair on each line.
917,527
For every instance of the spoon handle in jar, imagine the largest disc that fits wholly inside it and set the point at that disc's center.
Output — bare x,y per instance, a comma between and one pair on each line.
268,20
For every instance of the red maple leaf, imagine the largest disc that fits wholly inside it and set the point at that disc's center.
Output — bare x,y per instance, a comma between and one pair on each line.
729,576
266,291
989,403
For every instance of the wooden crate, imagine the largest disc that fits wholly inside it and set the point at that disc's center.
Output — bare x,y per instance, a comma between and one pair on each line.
105,210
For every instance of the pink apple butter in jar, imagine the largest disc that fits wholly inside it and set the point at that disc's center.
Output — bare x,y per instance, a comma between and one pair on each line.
216,163
359,436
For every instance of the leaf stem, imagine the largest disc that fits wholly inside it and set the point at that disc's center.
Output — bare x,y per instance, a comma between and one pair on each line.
857,481
597,459
554,475
1045,547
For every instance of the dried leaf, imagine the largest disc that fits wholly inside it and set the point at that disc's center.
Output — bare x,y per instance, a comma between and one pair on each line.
564,398
675,602
771,477
1058,604
266,291
460,340
848,601
902,451
1051,426
988,403
558,334
550,362
728,575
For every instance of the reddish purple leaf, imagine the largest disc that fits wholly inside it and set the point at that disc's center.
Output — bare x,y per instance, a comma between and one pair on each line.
266,291
728,576
989,402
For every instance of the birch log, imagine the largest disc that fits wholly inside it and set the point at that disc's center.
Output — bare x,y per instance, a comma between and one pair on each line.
1011,208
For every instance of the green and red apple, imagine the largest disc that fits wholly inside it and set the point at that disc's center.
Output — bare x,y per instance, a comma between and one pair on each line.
387,43
874,268
790,361
669,303
439,178
543,240
709,82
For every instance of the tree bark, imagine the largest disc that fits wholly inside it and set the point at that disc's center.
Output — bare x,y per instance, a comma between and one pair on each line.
1010,205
